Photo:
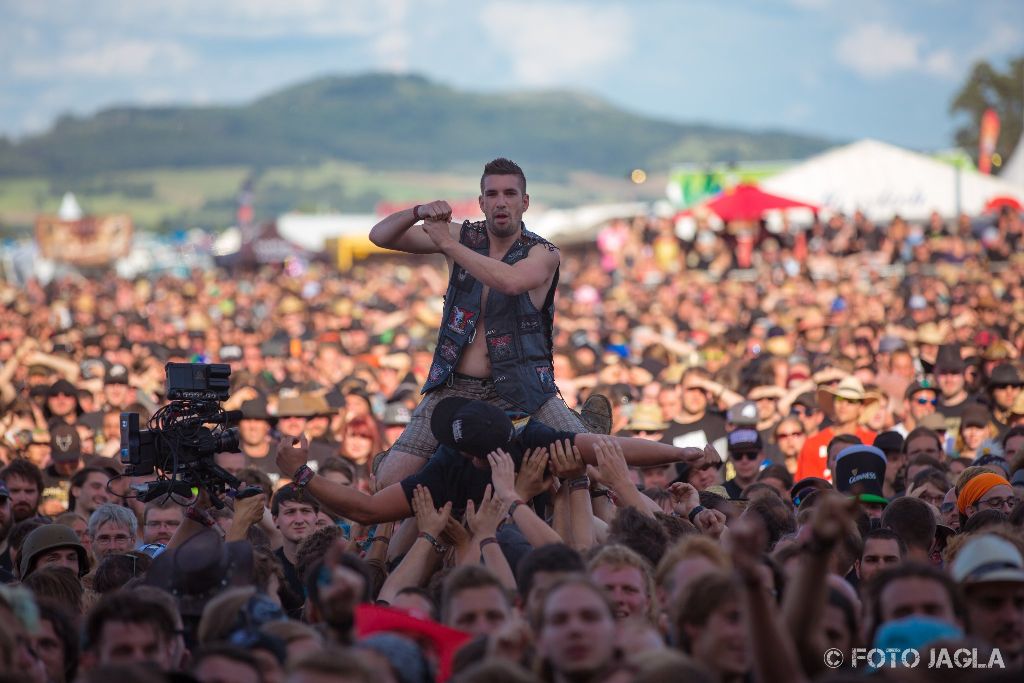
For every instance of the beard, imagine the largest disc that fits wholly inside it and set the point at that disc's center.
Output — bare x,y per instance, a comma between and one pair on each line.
507,230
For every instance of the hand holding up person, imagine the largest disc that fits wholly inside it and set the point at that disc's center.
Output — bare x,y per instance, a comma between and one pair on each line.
429,520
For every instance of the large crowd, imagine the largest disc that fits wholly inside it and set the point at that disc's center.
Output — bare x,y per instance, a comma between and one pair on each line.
855,389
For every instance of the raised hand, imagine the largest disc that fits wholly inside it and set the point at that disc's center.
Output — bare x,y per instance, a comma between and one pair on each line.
533,477
684,498
292,454
484,522
611,463
429,519
566,460
503,475
711,523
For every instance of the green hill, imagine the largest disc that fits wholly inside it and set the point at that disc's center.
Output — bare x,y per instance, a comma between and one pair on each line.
346,143
387,122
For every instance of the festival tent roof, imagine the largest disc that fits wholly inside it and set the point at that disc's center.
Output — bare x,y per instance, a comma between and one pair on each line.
1013,169
883,180
747,202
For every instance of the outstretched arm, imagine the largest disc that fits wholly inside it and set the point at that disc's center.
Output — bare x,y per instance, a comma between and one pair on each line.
530,273
395,231
640,452
387,505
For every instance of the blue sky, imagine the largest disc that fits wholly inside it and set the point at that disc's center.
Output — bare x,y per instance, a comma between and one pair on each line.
844,70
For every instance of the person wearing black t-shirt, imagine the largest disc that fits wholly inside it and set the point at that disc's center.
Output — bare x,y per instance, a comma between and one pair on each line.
467,430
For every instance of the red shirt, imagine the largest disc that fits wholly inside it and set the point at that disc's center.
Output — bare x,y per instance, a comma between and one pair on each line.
813,459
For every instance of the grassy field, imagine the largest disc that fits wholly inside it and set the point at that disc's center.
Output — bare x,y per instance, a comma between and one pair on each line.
172,199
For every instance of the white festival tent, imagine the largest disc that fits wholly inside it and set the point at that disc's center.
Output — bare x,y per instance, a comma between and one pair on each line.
883,180
1013,169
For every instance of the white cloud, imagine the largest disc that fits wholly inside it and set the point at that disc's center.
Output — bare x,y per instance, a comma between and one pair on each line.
550,43
391,47
878,51
127,58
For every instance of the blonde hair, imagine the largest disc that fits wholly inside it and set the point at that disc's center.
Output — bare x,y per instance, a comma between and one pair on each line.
619,557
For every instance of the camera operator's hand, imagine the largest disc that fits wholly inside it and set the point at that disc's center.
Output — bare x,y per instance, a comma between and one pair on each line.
292,454
247,513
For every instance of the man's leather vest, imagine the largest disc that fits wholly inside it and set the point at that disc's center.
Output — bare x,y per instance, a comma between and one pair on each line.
518,335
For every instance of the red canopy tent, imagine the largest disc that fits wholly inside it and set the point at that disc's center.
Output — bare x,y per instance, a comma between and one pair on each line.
748,203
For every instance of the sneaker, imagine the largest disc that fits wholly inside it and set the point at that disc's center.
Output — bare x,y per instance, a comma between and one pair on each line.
596,414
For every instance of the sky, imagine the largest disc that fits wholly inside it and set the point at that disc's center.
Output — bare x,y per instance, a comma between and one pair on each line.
839,69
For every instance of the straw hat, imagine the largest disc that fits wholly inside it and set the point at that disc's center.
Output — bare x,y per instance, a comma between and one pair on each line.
646,418
294,406
849,388
931,333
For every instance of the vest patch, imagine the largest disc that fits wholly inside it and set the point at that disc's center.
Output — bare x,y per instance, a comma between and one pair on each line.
500,347
437,372
529,324
546,375
449,350
459,319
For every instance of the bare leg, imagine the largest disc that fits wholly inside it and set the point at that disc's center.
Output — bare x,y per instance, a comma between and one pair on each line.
396,466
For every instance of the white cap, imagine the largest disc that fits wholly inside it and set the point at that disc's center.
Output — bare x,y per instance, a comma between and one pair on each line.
987,559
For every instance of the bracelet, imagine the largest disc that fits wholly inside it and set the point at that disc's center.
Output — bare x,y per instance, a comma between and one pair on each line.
694,512
302,477
382,539
512,508
579,483
416,212
599,493
487,541
199,516
438,548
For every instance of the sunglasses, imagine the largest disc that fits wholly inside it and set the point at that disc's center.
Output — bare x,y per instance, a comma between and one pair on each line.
746,455
803,411
926,401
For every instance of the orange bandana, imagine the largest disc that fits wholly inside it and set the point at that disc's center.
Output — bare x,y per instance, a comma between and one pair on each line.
976,488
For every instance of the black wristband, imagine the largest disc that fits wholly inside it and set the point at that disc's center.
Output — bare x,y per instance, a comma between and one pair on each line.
694,512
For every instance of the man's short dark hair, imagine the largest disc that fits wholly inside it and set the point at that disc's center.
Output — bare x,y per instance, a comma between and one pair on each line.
885,534
335,463
777,472
848,439
313,547
255,477
908,570
161,503
230,652
126,607
640,533
554,557
913,520
503,166
24,469
918,432
467,577
290,494
776,516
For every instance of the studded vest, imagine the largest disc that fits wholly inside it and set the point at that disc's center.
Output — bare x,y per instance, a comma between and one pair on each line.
518,335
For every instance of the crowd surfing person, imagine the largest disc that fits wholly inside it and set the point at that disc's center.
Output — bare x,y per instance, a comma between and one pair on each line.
823,451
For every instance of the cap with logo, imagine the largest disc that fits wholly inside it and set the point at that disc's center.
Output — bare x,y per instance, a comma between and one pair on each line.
117,374
65,444
396,415
469,426
744,441
743,414
860,472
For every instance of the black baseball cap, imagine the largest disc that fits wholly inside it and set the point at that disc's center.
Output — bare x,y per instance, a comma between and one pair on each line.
471,426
